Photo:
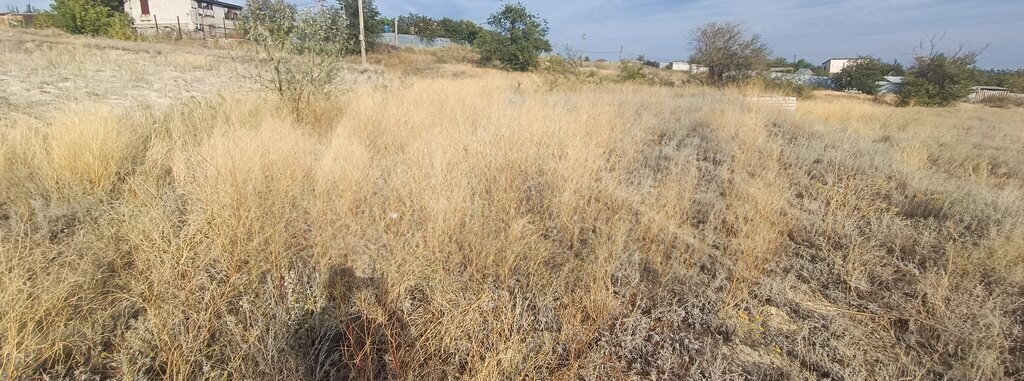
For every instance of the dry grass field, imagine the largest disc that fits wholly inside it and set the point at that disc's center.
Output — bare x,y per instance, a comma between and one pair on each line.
466,223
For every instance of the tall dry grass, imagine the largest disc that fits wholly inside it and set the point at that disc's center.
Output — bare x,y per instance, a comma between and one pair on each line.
487,228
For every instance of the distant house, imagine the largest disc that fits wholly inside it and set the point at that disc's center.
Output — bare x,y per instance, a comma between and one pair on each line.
679,66
212,17
836,65
658,64
687,67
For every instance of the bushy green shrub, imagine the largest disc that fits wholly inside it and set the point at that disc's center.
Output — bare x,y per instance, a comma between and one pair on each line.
939,79
43,20
864,75
632,71
565,71
91,17
779,86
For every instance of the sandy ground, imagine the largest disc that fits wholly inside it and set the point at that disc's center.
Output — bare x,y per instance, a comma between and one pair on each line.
41,70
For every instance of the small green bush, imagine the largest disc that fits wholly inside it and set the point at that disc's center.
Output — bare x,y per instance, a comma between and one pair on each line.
43,20
91,17
632,71
784,87
565,71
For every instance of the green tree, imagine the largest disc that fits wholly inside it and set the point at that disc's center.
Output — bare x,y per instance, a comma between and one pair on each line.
420,25
939,79
373,24
864,75
459,30
516,38
726,48
90,17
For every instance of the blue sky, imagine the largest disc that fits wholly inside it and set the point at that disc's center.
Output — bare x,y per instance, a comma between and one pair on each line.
811,29
816,30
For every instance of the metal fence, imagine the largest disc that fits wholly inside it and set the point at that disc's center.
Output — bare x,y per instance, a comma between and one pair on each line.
416,41
807,80
179,28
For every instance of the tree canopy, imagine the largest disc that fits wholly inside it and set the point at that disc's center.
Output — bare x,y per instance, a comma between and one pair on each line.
373,24
516,38
940,79
726,48
427,27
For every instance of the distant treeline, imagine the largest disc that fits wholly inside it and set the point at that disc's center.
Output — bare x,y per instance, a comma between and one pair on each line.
427,27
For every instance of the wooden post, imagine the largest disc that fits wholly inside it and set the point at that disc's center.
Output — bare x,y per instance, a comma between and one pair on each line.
362,34
396,31
203,28
179,27
157,25
224,22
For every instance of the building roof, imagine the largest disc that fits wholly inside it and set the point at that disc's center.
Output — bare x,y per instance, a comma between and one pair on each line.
840,58
221,3
993,88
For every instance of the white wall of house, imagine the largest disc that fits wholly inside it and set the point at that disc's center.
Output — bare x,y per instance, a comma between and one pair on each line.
166,14
836,65
679,66
162,13
215,16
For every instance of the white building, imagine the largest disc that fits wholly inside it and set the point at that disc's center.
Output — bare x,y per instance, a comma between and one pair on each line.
836,65
687,67
211,17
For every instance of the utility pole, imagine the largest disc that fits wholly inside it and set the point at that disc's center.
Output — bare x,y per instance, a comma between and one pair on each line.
362,34
583,51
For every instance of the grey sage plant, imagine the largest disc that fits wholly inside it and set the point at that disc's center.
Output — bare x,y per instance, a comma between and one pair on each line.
299,52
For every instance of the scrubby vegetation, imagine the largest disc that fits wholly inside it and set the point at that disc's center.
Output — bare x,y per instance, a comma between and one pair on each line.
482,225
939,79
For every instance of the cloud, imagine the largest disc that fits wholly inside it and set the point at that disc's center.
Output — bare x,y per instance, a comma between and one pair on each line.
816,29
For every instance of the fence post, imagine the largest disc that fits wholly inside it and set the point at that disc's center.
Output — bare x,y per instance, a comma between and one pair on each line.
203,27
157,23
224,22
179,27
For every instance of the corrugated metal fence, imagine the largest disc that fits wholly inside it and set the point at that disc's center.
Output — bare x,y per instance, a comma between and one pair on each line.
807,80
415,41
